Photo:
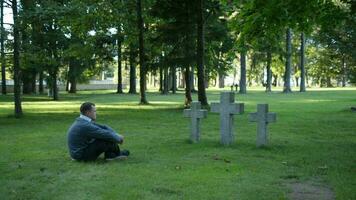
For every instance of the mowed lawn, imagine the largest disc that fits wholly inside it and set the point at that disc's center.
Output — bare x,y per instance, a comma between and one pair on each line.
313,140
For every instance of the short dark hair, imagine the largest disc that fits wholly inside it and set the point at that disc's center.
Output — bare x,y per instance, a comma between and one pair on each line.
86,106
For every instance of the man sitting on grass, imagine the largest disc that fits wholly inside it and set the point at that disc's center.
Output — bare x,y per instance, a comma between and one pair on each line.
87,139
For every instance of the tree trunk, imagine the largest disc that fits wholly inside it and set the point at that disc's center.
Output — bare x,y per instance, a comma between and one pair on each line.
174,79
328,82
191,80
40,84
2,38
243,72
287,73
17,86
132,89
188,94
165,81
73,86
161,79
221,79
269,72
67,86
119,65
26,81
302,63
54,85
344,72
143,99
275,79
200,55
72,76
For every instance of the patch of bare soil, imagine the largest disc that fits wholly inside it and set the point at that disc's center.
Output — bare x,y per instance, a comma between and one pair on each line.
310,190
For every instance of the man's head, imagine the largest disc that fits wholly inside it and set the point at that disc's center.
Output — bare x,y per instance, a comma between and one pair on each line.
88,109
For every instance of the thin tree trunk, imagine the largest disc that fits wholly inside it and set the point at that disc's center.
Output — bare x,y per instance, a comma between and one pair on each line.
73,86
161,79
40,84
54,85
328,81
188,94
2,38
143,99
132,89
243,72
302,63
275,78
17,86
200,55
269,72
344,72
72,79
165,80
191,80
287,73
174,79
119,66
221,79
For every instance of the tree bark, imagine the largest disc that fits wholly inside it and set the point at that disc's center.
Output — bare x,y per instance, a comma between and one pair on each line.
344,72
287,73
221,79
165,81
161,79
119,65
243,72
17,86
302,63
40,84
72,79
132,89
200,55
188,94
191,80
54,85
143,99
174,79
2,38
269,72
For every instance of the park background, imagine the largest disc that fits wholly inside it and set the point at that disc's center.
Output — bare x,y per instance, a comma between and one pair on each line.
151,59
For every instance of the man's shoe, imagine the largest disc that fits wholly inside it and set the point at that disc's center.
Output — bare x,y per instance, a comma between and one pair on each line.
122,156
119,157
125,152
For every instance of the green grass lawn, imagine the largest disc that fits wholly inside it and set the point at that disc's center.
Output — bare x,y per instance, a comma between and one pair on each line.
312,140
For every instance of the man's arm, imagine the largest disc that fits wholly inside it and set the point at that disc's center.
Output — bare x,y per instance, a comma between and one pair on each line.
96,131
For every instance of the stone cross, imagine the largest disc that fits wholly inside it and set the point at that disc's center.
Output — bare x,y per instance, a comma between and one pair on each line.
227,109
195,113
262,117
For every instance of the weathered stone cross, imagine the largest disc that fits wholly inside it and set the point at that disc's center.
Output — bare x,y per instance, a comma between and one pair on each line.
227,108
262,117
195,113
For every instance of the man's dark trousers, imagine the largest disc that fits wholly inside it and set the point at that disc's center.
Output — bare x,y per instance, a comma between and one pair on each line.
93,151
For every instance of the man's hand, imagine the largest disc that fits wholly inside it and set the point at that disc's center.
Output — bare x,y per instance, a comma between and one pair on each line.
122,140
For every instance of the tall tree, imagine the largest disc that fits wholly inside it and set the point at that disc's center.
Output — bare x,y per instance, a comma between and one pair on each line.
243,72
143,99
302,63
269,72
287,73
2,38
119,63
132,89
17,87
200,55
